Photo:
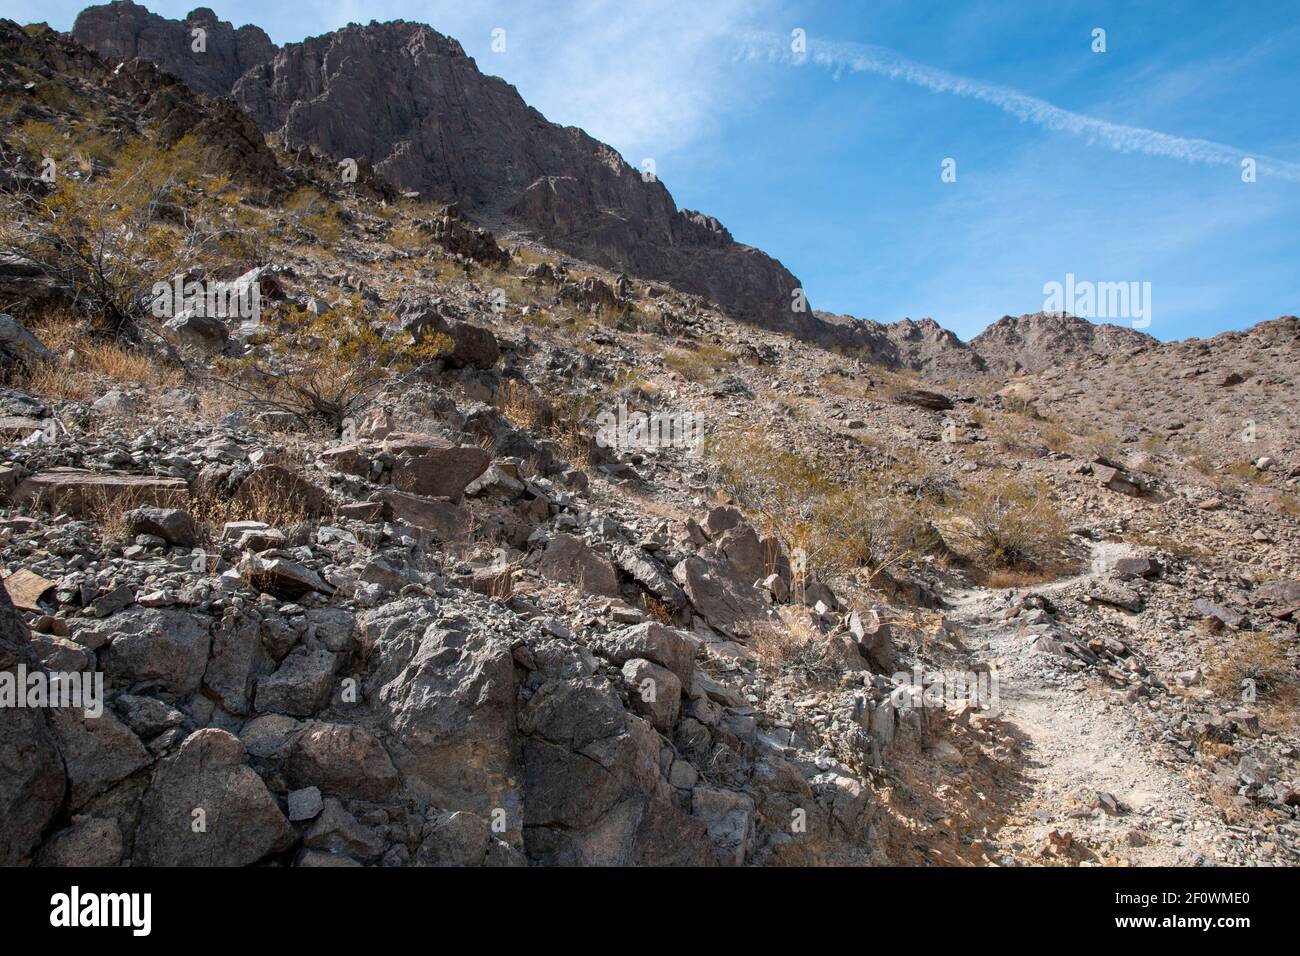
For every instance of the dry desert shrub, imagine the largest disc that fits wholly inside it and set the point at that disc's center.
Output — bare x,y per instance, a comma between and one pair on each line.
572,431
870,520
109,239
522,406
327,368
1254,668
700,364
1010,524
796,649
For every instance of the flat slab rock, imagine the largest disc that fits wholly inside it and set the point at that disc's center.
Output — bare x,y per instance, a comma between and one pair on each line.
26,589
81,492
1116,595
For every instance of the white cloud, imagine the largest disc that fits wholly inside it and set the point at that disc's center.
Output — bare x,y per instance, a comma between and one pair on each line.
649,78
863,58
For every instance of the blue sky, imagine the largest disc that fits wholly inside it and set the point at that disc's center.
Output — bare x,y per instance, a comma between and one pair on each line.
831,161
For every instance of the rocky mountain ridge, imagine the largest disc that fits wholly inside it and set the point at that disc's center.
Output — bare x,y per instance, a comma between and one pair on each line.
1041,339
409,100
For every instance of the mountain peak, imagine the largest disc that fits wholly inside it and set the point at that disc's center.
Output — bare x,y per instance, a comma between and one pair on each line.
1038,339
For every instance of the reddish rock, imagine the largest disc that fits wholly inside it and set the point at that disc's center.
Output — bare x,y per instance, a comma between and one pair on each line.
432,466
572,560
446,521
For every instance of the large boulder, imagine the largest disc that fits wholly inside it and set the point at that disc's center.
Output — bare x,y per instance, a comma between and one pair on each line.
282,577
164,647
301,686
206,808
471,345
649,573
593,792
17,342
443,520
238,660
89,841
724,599
745,550
461,838
32,782
655,693
97,752
96,493
173,525
651,640
338,832
192,329
432,466
342,760
729,818
572,560
445,692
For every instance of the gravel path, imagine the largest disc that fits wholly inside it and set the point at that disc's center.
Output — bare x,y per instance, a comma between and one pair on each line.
1077,738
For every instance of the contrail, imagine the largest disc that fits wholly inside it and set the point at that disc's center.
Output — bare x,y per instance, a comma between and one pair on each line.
863,58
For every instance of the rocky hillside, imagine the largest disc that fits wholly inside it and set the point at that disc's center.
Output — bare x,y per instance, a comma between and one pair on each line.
1034,342
919,346
456,135
463,550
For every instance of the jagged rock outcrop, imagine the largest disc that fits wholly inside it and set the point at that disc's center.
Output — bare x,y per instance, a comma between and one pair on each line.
1042,339
1012,344
224,136
122,31
32,785
921,345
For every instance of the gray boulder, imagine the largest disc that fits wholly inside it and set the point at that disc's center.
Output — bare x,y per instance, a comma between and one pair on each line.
445,692
573,561
343,761
17,342
97,752
161,646
301,685
206,808
719,594
32,784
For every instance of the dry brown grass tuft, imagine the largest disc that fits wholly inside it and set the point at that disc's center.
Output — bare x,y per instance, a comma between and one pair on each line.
522,406
100,361
1020,579
1253,668
797,649
270,502
701,364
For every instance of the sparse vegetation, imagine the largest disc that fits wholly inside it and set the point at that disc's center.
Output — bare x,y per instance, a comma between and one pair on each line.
1010,524
327,368
866,523
700,364
1254,666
